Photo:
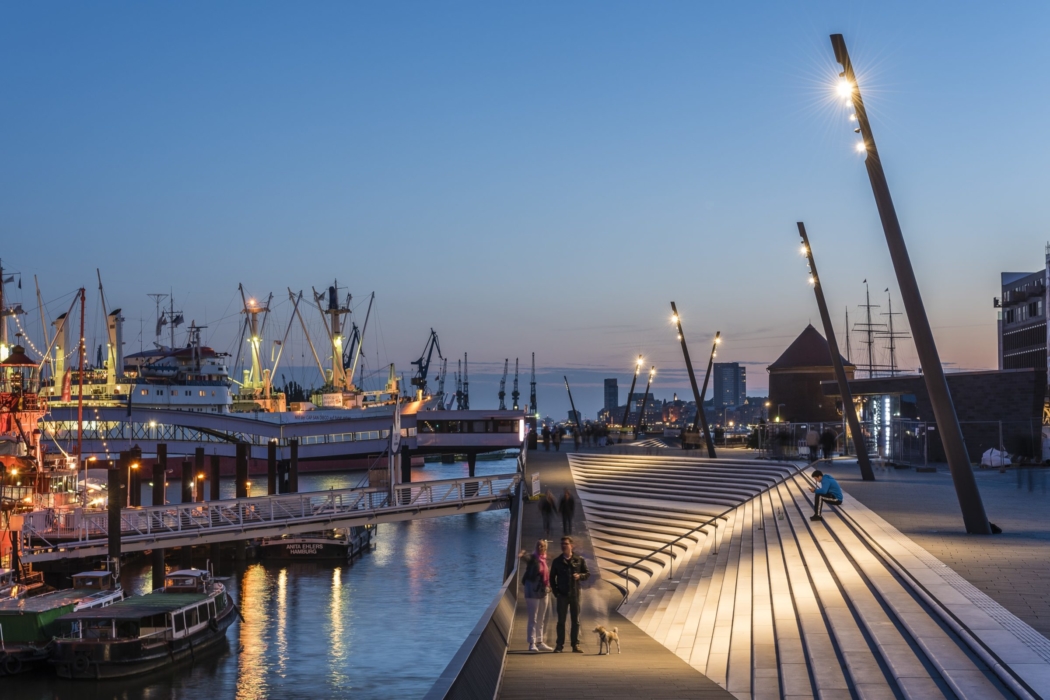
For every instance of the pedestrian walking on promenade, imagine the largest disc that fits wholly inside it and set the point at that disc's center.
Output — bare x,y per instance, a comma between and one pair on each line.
827,443
827,491
566,573
576,438
813,442
537,589
567,507
556,437
547,438
548,507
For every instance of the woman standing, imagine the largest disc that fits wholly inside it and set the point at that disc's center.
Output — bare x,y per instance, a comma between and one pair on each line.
537,586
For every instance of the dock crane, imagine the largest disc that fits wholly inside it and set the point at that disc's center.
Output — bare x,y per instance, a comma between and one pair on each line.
466,385
515,395
419,381
459,385
353,348
441,381
503,386
532,389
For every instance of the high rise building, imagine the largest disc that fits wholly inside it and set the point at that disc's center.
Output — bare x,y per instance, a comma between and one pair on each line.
612,395
730,384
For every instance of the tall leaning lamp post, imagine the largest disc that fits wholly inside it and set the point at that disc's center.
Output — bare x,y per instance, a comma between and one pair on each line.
974,517
848,409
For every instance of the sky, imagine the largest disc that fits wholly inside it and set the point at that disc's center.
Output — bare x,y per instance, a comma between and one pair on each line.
523,177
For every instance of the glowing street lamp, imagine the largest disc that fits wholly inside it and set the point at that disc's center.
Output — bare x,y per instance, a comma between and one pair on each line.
974,516
133,465
698,396
848,408
627,408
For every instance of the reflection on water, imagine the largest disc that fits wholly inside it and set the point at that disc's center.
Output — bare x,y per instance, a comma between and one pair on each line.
384,626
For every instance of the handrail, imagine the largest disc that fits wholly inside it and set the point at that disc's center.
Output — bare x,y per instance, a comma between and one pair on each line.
216,516
627,569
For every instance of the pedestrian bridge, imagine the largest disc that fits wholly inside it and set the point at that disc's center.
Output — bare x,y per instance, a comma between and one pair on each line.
50,535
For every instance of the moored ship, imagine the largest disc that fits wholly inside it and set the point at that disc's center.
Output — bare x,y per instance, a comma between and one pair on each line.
29,624
337,545
144,633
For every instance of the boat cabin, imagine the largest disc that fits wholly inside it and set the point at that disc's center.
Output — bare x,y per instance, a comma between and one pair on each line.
187,581
94,580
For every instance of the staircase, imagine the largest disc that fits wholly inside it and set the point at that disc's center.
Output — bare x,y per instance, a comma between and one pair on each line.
769,604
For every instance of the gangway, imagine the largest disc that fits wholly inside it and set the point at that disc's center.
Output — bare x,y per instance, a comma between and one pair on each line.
48,536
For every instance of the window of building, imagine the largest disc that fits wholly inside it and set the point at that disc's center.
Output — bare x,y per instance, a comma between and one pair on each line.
144,391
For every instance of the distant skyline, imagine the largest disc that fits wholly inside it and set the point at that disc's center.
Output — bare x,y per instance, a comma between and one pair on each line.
544,177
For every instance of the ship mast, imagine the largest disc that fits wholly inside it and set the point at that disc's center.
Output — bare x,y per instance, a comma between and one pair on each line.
256,378
333,324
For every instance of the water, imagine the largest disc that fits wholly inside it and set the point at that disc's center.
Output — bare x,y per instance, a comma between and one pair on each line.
384,626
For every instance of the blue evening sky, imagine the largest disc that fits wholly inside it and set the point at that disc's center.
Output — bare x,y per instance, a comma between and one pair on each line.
523,177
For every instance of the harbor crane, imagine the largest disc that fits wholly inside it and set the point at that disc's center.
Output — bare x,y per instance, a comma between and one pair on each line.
532,389
503,386
441,381
353,348
419,381
459,385
515,395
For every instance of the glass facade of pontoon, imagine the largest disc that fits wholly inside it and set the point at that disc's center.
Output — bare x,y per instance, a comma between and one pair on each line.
127,430
468,426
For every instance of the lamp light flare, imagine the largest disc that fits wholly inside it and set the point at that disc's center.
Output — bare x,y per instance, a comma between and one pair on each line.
861,147
853,117
812,279
802,249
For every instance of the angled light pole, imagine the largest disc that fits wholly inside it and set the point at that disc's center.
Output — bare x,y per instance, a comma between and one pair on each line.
627,408
848,409
645,400
974,517
698,396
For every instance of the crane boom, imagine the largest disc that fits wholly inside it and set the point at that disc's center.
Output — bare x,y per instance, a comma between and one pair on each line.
532,389
423,364
503,386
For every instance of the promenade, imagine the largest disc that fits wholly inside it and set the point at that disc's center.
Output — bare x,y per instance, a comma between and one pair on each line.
763,603
645,669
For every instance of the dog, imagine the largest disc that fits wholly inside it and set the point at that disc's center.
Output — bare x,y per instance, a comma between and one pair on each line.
606,638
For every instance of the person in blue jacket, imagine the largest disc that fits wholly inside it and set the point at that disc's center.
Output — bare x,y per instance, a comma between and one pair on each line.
827,491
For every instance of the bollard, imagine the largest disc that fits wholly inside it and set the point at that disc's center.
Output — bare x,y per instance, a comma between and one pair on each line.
271,468
293,466
160,468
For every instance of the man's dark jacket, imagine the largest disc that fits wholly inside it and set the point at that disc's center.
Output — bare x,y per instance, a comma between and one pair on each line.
562,582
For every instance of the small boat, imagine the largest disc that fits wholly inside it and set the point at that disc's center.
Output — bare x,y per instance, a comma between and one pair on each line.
145,633
15,586
337,545
28,625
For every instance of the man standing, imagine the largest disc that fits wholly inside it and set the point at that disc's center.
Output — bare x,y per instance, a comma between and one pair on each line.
566,573
567,507
827,491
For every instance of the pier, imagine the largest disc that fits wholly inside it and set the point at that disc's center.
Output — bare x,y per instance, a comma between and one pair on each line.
85,534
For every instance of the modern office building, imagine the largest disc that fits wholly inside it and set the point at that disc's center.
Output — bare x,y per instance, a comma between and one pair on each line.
730,384
612,395
1022,319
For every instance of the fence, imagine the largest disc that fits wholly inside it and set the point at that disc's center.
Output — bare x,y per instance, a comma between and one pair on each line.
476,670
916,443
788,440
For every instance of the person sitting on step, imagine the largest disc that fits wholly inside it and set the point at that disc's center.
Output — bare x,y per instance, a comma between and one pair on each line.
826,491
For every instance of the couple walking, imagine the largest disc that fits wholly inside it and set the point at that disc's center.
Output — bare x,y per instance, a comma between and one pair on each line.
567,508
562,576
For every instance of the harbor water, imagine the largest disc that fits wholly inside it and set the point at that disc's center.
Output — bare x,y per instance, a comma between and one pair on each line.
383,626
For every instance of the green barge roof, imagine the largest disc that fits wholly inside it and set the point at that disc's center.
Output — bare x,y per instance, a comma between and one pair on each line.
137,607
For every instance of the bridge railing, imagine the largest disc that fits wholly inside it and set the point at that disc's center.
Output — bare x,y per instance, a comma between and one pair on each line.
43,530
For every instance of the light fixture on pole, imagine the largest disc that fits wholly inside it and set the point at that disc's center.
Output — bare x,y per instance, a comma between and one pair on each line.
645,401
848,408
974,517
627,408
698,396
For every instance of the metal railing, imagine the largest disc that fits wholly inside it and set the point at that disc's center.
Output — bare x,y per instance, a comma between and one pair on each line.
43,531
476,671
793,470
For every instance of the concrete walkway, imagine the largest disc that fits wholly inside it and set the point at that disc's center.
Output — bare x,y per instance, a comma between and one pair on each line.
645,669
